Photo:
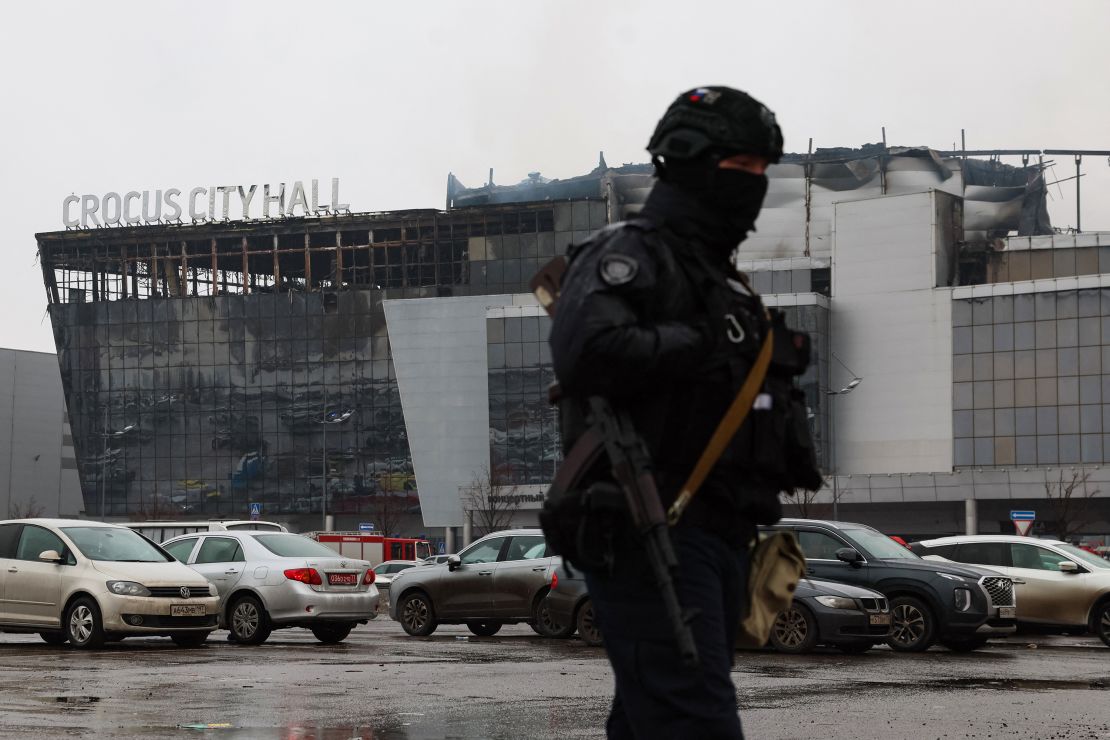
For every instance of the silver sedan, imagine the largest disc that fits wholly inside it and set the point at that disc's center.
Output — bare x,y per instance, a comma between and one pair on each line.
271,580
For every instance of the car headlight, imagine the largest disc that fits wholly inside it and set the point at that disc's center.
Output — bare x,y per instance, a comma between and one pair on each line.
212,590
962,599
128,588
837,602
951,577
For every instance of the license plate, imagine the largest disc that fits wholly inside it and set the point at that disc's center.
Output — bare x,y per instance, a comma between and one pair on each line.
1007,612
343,579
187,610
880,619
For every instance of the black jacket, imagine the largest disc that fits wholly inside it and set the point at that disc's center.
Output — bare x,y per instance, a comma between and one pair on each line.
653,316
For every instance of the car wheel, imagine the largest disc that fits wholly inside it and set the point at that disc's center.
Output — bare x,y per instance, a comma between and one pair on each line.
330,634
248,621
53,638
963,644
189,639
588,628
417,616
794,631
84,628
545,626
854,648
484,629
913,625
1100,624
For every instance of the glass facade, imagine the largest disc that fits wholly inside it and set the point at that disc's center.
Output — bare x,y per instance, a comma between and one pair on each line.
202,405
814,320
524,434
1031,377
204,372
524,438
769,282
211,367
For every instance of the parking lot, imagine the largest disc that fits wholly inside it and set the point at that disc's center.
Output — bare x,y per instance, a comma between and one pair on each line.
380,683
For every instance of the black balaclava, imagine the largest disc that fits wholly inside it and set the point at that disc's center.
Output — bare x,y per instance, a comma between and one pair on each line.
731,198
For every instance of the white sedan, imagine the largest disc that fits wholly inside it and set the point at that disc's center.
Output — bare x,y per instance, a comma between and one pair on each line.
272,580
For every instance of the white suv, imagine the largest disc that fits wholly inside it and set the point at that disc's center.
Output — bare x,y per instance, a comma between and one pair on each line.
1057,584
88,582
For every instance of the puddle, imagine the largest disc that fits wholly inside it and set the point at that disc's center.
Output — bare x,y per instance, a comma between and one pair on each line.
772,671
75,702
1024,684
757,698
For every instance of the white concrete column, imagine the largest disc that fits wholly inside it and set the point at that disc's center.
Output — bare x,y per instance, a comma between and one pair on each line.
449,540
467,530
971,516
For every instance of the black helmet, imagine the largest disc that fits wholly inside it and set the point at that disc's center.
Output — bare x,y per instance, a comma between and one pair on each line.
716,119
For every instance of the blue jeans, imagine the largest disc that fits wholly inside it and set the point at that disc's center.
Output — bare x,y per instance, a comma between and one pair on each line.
656,696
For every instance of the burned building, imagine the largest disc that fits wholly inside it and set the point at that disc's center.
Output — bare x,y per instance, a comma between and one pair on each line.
210,366
353,362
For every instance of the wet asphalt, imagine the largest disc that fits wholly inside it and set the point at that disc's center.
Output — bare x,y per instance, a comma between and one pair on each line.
381,684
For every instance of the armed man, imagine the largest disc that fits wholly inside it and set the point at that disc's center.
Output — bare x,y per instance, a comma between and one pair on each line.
658,341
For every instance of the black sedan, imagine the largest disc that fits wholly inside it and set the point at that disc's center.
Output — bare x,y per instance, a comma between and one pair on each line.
823,613
849,618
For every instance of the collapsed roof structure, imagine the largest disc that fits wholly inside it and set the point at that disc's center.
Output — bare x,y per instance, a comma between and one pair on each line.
796,221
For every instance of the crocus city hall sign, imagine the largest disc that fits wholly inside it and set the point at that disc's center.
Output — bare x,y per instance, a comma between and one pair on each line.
200,204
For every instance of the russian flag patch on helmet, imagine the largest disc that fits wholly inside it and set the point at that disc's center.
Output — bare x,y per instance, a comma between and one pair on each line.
703,95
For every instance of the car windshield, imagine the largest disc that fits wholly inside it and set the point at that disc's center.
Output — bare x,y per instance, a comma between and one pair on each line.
114,544
294,546
1085,557
878,544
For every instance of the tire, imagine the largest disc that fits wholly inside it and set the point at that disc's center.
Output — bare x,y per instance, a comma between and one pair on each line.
416,614
914,626
83,625
248,621
189,639
588,629
54,638
544,625
794,631
1100,622
963,644
484,629
331,634
854,648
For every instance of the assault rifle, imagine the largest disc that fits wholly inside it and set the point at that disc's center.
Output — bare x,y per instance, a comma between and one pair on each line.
611,432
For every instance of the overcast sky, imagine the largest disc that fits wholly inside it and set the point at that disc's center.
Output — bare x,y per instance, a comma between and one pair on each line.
391,96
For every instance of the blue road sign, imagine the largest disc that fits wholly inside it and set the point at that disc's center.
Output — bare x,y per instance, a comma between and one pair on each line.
442,547
366,527
1023,516
256,512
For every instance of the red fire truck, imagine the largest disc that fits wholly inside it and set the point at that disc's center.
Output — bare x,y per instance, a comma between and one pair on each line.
374,547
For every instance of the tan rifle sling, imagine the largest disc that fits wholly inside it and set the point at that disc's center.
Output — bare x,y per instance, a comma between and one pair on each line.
728,427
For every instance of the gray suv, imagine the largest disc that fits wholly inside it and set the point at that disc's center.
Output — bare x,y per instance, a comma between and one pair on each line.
500,579
957,605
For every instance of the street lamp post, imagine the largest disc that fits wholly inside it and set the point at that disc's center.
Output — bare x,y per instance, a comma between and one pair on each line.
851,386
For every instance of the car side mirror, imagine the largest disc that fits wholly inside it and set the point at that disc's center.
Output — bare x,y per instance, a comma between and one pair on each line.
453,562
1067,566
52,556
849,555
